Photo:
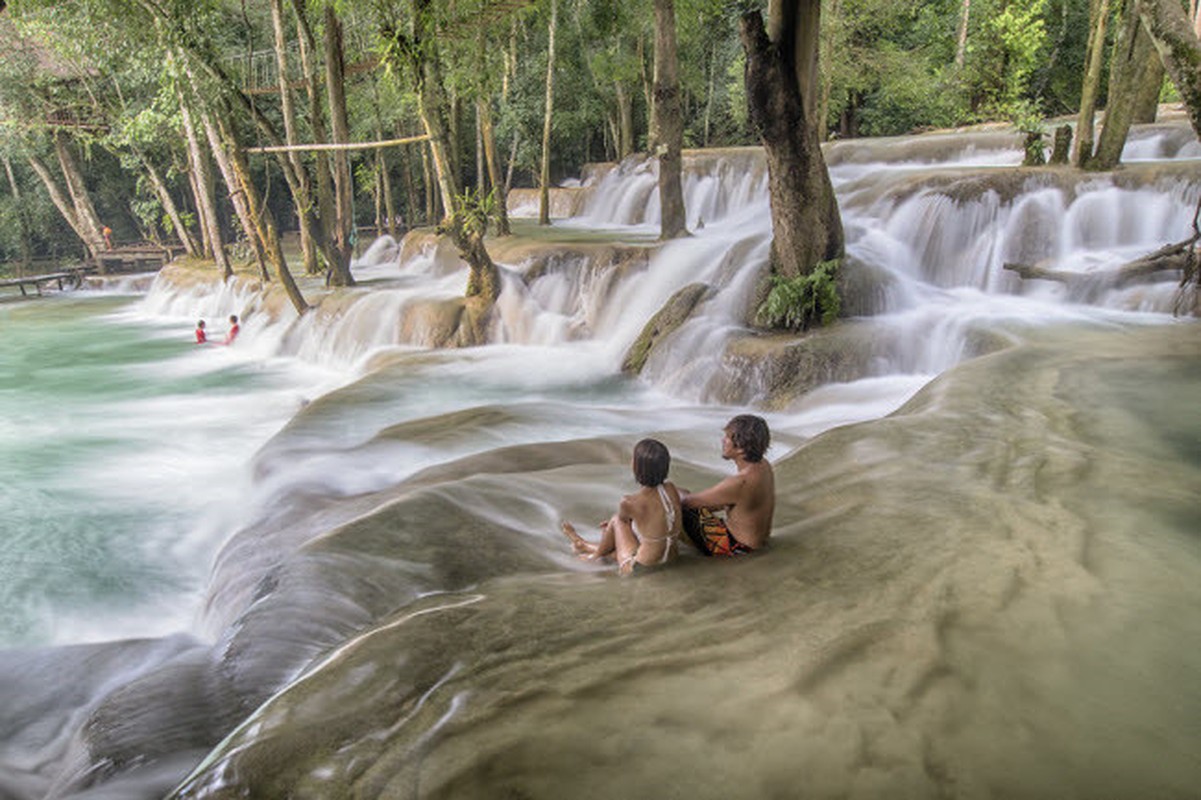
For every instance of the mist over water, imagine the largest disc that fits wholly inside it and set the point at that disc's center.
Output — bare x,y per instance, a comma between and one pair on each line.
981,581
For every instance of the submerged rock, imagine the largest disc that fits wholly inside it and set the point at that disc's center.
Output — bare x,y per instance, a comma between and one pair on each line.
937,580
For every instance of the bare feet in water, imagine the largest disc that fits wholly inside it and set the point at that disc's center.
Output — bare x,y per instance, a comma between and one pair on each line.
582,547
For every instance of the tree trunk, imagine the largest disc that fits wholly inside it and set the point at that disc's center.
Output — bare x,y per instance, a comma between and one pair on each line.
342,243
648,94
1132,51
431,195
85,212
1098,19
266,234
625,128
22,219
169,206
806,225
1146,107
710,95
668,124
326,213
383,169
60,200
237,193
544,175
412,207
1170,258
484,111
961,38
823,105
308,247
420,50
202,190
1179,48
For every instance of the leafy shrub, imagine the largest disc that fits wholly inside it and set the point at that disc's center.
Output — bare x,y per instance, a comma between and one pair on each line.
799,303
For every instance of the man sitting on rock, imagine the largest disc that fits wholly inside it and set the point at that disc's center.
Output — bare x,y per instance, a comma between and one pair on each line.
748,497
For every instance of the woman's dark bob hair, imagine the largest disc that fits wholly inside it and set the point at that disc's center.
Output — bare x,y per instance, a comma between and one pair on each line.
651,462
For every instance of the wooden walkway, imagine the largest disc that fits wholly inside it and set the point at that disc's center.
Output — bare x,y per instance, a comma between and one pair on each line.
136,258
120,260
66,279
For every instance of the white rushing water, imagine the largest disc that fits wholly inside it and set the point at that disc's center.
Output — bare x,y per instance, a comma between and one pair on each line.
565,333
150,486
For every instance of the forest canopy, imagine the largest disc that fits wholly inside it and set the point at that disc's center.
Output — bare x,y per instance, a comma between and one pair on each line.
124,113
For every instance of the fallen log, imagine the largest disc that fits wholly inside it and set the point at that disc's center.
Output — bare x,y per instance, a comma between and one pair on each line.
1170,258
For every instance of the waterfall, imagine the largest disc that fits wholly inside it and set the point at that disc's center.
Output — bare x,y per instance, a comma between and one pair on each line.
961,550
935,218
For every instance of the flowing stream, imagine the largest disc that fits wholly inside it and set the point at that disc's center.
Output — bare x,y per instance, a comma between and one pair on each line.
325,561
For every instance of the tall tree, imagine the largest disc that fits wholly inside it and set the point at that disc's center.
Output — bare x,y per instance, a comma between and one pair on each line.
1176,40
22,212
342,242
308,247
668,123
418,51
544,173
780,85
1098,20
961,39
1130,68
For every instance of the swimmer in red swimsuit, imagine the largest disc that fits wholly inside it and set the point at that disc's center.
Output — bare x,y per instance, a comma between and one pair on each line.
201,336
233,329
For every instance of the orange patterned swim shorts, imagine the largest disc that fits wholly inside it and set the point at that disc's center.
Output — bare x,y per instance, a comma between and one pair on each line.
711,535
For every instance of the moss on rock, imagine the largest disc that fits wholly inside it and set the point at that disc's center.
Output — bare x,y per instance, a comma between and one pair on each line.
672,315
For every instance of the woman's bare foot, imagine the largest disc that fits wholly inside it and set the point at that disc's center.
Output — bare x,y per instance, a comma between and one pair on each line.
578,543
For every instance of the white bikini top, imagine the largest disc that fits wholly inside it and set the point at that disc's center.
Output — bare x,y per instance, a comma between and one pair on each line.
670,512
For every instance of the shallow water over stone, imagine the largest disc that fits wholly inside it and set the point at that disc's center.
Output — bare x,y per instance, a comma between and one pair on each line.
988,593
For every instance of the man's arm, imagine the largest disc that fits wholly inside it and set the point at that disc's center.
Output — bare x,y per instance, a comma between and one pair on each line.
721,495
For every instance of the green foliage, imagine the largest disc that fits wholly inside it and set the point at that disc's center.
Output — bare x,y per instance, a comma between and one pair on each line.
474,211
802,302
887,67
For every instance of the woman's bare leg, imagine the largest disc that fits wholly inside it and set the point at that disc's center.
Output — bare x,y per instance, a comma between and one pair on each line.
578,543
625,544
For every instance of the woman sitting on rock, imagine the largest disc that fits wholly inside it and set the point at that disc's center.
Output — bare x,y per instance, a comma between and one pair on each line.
644,531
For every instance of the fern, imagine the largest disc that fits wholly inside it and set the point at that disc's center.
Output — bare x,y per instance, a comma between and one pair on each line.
800,303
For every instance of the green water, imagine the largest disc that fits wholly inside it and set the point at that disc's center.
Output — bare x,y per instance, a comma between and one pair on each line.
104,422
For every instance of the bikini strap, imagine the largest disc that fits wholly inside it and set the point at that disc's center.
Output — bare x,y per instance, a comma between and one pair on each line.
668,510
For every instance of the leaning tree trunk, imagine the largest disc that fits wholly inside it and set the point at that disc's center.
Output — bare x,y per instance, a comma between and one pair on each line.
85,212
266,232
1179,48
237,195
544,175
806,225
202,190
1128,71
668,123
1098,18
169,206
1146,107
60,200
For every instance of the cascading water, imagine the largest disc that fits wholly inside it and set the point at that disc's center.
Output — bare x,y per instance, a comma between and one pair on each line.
953,603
